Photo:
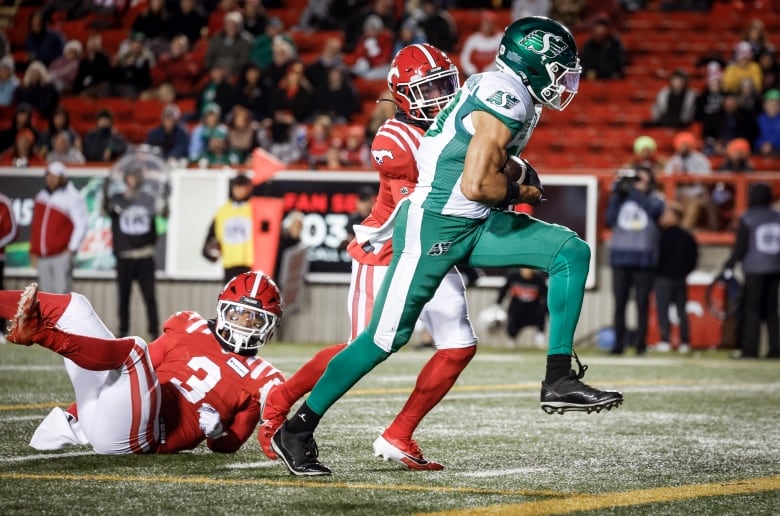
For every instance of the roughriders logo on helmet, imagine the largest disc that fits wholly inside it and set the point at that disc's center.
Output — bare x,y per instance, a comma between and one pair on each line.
544,44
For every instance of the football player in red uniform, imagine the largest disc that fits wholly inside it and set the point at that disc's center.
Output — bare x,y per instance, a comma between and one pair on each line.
422,80
200,380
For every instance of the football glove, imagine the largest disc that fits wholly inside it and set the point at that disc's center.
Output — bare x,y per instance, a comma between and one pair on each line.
531,178
210,422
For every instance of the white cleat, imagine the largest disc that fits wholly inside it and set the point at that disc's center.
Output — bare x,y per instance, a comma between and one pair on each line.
57,430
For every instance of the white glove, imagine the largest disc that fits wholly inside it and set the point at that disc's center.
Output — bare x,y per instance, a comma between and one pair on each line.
210,422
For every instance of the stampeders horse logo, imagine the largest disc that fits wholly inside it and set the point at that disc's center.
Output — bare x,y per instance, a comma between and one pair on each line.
439,249
380,155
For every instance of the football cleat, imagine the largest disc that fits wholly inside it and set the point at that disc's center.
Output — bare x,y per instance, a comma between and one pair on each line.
570,394
57,430
27,321
299,453
405,452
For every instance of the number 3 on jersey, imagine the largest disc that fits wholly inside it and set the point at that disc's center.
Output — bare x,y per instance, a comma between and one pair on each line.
195,388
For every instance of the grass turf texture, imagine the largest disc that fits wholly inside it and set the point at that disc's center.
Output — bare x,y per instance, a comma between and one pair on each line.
696,435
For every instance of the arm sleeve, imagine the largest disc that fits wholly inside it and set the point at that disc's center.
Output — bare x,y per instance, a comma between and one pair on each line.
79,216
740,246
239,430
613,208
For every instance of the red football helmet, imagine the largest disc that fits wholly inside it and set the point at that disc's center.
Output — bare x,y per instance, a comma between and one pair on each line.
249,309
422,80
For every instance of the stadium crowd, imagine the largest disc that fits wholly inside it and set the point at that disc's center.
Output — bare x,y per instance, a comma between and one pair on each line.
208,82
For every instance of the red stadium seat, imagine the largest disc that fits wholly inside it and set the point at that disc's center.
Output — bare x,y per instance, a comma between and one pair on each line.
148,111
121,108
79,108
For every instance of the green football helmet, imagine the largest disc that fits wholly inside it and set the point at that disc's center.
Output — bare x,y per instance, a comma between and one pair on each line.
543,54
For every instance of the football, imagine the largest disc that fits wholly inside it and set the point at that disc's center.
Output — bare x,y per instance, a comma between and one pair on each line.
514,169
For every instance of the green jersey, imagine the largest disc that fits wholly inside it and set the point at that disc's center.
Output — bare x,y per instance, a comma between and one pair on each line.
442,152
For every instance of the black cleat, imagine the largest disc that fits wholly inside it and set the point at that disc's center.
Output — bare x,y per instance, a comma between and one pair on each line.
298,452
570,394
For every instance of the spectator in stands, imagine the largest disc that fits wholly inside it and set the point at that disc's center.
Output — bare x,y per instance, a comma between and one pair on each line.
522,8
709,102
63,70
283,54
188,19
243,131
210,123
527,289
354,27
22,154
152,22
645,155
749,98
317,16
104,143
294,94
8,81
770,70
760,259
230,46
42,43
21,120
438,25
603,55
170,136
37,90
254,92
218,152
633,211
255,18
675,103
695,198
319,141
355,152
768,140
479,49
60,122
218,90
338,96
95,70
62,150
177,67
317,70
374,50
383,110
262,50
5,47
755,34
218,10
678,255
568,12
132,67
737,157
286,138
743,66
732,121
409,33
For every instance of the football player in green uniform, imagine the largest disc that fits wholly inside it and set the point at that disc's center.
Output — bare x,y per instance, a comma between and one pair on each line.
459,213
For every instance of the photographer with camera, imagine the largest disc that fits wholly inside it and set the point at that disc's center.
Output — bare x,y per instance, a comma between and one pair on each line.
633,212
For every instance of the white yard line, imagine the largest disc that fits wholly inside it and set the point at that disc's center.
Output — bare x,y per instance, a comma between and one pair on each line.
252,465
46,456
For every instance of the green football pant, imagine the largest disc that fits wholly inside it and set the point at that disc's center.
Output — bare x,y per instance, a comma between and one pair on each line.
427,245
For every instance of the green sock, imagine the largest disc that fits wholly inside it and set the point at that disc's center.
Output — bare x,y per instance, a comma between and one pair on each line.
566,290
344,370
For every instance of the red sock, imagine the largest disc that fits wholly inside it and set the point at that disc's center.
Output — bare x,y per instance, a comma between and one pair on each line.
304,378
52,305
87,352
434,381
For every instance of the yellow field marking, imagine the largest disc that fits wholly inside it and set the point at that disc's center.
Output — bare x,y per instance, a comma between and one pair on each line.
33,406
583,502
275,483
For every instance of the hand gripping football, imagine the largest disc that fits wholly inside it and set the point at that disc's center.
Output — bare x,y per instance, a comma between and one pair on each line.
515,169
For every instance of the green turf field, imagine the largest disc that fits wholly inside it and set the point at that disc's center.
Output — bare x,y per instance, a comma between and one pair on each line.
696,435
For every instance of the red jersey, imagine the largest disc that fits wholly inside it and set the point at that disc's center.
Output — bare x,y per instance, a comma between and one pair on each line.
194,369
394,152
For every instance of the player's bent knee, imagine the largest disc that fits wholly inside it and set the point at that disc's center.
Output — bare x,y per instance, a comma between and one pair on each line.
574,254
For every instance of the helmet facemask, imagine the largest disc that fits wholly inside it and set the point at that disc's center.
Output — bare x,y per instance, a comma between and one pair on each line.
244,328
428,95
564,84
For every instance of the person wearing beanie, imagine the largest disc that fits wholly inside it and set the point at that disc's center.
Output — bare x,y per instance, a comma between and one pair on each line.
768,141
687,160
757,249
645,155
